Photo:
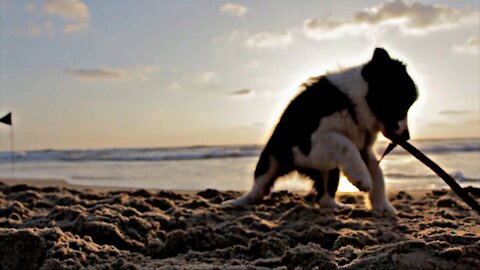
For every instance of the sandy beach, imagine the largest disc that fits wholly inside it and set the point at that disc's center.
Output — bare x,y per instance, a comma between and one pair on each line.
52,225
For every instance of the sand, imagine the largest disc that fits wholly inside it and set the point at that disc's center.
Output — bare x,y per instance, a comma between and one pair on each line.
56,226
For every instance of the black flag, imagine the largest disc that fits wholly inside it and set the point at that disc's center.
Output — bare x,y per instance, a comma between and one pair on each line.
7,119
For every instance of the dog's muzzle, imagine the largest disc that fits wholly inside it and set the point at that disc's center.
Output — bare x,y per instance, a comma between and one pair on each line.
401,130
405,135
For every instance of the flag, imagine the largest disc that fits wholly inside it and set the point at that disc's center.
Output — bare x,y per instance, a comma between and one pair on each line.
7,119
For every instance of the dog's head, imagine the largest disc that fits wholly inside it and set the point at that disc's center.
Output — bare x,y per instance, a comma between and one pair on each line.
391,92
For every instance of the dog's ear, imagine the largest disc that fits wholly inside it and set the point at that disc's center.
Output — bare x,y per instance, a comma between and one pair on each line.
380,57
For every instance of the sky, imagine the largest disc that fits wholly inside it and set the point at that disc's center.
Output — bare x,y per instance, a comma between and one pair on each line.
103,74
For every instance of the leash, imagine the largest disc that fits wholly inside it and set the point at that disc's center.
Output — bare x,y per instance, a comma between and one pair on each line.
397,140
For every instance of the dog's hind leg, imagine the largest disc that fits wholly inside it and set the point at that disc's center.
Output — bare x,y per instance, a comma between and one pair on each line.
267,171
332,182
325,184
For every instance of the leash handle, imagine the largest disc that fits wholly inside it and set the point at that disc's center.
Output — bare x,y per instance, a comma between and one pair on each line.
439,171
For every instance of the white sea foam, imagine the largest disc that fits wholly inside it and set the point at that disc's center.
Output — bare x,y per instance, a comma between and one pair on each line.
223,167
204,152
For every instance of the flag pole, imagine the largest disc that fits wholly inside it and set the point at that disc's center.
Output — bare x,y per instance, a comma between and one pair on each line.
7,119
12,148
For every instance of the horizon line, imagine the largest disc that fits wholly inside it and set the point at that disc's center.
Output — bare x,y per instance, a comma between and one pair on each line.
381,140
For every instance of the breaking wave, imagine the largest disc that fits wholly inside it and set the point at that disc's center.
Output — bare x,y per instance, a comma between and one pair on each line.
209,152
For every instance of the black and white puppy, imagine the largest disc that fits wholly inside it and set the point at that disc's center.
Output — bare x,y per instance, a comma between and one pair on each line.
332,125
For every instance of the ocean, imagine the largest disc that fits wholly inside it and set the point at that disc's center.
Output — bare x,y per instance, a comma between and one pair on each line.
228,167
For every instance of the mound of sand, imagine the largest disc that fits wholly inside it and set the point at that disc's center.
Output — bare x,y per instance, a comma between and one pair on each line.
65,228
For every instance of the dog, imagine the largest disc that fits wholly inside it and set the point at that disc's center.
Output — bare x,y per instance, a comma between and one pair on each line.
331,126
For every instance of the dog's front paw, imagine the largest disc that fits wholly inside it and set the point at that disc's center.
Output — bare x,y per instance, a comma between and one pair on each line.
363,184
360,178
383,207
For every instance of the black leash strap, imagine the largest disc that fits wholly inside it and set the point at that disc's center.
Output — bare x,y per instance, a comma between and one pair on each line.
434,167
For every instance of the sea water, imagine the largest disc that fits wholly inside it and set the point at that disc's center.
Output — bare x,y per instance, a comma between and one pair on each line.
228,167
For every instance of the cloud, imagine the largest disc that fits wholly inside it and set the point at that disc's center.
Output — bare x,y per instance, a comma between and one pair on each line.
206,77
182,79
74,14
74,27
232,9
278,39
259,40
470,46
329,29
411,17
241,92
71,10
98,73
138,73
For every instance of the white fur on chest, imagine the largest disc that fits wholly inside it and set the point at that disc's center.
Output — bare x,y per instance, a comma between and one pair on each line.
341,122
351,83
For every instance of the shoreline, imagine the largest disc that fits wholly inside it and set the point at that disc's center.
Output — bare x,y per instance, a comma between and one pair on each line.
62,183
41,183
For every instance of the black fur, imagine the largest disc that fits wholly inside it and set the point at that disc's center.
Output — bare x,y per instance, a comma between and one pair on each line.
391,91
332,182
300,119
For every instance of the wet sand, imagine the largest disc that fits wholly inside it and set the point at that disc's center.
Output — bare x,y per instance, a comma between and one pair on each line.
51,225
